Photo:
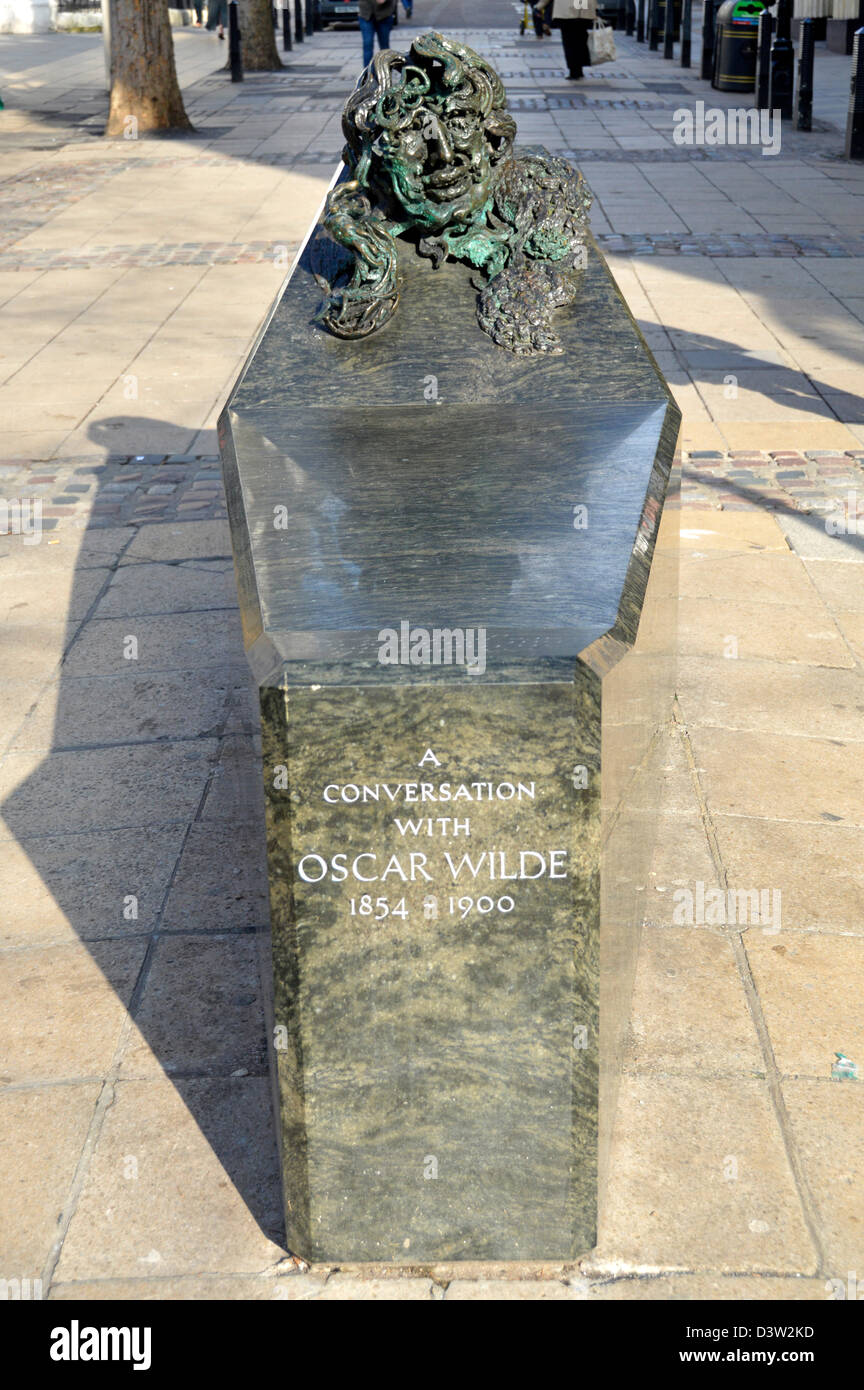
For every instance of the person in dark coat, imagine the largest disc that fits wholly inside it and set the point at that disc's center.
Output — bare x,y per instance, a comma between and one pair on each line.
574,18
217,16
376,20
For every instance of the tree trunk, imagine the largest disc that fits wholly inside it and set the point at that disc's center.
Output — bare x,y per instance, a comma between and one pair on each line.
145,93
258,37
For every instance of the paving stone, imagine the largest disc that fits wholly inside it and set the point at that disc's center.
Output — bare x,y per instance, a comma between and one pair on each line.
809,987
341,1287
45,994
775,578
202,1196
235,793
681,858
758,631
132,707
102,789
190,642
194,540
779,776
828,1126
221,882
71,886
818,868
689,1010
699,1177
810,539
291,1288
851,625
840,584
720,531
159,588
42,1133
813,701
711,1287
59,593
201,1011
511,1291
17,700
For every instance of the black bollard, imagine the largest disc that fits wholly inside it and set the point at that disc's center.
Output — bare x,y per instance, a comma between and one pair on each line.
298,20
709,16
855,119
286,28
804,85
640,21
763,59
780,86
631,14
669,30
317,22
654,25
310,27
686,32
235,58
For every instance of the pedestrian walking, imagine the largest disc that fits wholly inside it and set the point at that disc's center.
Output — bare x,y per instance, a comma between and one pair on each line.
541,13
199,12
408,7
376,19
574,18
217,16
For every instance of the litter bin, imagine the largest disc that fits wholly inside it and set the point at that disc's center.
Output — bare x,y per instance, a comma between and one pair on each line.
735,45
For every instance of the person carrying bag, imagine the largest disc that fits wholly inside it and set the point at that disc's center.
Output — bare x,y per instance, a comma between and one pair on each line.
574,18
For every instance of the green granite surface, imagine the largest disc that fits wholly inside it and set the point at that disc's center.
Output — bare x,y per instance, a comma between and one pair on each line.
440,1078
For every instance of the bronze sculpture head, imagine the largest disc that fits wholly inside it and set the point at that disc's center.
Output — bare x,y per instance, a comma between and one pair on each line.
429,147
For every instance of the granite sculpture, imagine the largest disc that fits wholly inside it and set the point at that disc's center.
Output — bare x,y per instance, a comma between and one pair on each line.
461,623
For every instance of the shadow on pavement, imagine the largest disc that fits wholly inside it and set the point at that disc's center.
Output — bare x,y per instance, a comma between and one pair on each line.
133,791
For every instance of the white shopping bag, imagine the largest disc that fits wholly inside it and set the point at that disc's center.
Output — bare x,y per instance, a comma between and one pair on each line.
601,44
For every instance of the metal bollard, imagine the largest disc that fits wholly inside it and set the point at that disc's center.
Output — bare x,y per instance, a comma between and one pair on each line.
669,30
630,21
235,58
763,59
855,119
654,25
804,84
298,20
780,93
310,27
686,32
286,27
640,21
709,16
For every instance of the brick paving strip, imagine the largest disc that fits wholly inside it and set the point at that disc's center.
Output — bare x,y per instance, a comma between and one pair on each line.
121,491
134,490
228,253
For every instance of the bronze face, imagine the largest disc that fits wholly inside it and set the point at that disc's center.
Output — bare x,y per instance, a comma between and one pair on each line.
429,142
